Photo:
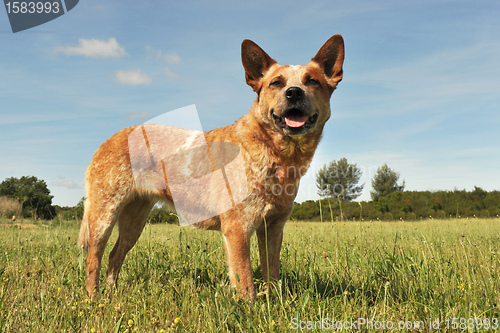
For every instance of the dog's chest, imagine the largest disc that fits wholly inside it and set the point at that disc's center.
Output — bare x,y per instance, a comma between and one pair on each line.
274,184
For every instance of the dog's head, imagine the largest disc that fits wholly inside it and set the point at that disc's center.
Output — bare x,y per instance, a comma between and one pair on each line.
294,100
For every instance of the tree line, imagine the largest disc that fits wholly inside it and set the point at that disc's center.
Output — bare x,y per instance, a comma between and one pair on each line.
338,186
29,197
26,196
407,206
340,179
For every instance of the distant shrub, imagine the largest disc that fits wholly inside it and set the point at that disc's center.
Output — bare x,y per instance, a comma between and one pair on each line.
10,207
33,194
71,213
162,215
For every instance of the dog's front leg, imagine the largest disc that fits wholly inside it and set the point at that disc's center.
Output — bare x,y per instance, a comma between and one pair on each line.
237,246
270,253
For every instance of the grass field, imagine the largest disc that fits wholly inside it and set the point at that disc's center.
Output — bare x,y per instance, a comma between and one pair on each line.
419,276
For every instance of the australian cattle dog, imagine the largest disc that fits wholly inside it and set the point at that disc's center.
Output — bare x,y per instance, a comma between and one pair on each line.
276,141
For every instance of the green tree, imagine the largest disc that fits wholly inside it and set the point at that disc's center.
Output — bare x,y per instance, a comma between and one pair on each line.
339,179
385,182
71,213
79,208
32,193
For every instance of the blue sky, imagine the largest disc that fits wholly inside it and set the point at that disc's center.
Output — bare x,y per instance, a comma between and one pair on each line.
420,89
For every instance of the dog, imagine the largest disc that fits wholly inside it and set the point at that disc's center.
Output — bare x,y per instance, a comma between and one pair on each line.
276,139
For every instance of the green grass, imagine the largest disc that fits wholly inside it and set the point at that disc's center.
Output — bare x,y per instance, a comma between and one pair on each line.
399,271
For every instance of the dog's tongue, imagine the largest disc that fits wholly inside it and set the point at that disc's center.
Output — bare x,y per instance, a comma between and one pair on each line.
296,121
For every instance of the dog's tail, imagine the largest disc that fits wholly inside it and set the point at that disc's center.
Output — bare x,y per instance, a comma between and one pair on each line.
83,238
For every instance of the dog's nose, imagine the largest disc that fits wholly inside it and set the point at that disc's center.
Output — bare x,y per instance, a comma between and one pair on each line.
294,94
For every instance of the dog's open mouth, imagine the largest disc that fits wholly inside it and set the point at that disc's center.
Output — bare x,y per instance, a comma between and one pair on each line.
295,122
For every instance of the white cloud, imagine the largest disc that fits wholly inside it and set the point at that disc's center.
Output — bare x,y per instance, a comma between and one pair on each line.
66,183
134,78
94,48
169,73
134,115
171,57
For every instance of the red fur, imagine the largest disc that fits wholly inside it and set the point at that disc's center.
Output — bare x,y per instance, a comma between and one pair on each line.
274,162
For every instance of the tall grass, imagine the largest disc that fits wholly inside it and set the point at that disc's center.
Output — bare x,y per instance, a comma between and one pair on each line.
10,207
175,279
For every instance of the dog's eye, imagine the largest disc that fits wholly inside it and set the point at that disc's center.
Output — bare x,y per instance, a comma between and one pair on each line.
312,82
276,83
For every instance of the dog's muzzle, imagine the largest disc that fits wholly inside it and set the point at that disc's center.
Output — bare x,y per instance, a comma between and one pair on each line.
294,121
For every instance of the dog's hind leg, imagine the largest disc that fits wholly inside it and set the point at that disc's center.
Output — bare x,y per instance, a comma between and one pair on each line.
100,221
131,222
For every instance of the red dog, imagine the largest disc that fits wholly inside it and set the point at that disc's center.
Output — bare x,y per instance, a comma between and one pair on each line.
277,140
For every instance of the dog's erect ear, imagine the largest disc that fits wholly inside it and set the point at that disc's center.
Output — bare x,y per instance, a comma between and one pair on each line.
330,58
256,63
